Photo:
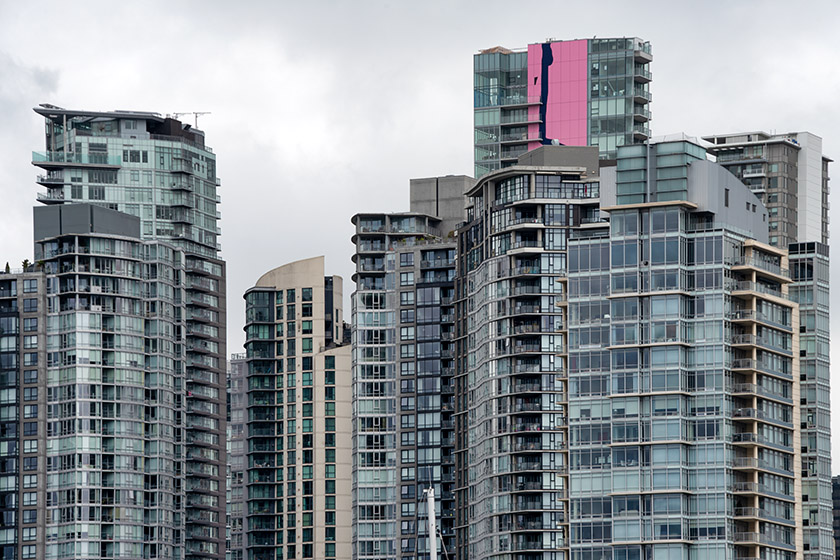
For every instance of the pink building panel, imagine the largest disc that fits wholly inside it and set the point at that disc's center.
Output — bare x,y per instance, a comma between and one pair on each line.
566,107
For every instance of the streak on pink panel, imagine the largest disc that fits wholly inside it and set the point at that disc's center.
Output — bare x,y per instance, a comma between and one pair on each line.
534,71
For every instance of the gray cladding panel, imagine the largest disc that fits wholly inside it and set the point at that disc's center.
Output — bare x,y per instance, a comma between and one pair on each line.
47,222
51,221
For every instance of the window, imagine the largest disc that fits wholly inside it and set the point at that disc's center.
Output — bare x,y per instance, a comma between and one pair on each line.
30,286
30,516
30,498
406,278
30,376
30,411
406,316
30,305
30,446
329,362
30,428
30,324
30,463
306,294
406,298
30,393
406,333
30,342
406,259
290,295
30,359
306,345
306,327
726,197
30,481
306,310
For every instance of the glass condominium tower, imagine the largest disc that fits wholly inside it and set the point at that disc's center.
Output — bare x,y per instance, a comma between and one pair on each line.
161,171
584,92
107,471
627,389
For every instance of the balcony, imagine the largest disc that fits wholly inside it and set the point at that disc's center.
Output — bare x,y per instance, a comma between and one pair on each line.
641,131
521,119
758,287
763,266
437,263
642,53
54,178
74,159
641,74
52,196
641,96
641,113
758,390
183,166
518,138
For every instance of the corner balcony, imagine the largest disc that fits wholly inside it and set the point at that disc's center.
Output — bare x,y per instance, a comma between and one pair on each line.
52,196
51,160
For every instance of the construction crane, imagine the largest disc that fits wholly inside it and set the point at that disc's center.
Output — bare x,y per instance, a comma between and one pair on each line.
196,114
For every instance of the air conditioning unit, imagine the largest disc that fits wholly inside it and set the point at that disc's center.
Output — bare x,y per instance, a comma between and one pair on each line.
96,308
96,289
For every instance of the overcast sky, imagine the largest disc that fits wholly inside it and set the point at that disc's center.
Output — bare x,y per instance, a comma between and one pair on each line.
324,109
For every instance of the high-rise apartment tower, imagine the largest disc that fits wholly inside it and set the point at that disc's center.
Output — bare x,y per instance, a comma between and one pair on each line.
298,419
789,173
403,366
161,171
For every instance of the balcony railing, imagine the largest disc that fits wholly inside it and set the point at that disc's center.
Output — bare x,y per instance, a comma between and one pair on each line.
71,158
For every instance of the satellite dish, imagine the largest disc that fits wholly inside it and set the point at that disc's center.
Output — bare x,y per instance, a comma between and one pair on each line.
555,142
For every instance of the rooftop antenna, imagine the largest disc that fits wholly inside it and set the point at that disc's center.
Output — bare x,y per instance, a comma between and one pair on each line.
196,114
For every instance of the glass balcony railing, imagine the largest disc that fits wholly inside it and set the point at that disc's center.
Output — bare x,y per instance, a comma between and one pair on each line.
76,158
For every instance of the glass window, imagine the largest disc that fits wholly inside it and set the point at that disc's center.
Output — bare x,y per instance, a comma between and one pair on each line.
306,294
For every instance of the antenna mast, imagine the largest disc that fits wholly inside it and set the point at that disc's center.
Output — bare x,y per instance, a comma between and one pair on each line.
430,506
195,114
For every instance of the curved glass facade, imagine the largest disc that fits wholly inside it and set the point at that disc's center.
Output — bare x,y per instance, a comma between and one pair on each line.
115,407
